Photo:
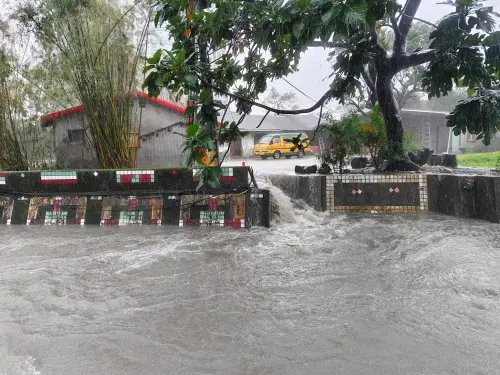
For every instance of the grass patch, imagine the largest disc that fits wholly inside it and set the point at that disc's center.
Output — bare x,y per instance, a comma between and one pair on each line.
480,160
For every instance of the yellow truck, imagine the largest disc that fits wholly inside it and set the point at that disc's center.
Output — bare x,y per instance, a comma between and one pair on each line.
276,145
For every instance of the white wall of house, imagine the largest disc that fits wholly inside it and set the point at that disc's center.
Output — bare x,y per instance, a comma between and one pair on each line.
159,148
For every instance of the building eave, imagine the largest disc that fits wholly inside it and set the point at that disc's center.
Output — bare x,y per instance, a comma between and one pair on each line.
48,119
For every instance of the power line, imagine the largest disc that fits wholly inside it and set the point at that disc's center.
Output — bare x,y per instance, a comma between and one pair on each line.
303,93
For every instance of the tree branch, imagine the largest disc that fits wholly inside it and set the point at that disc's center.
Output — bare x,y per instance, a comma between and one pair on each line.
338,90
358,107
407,15
116,24
316,43
369,82
421,20
397,32
418,58
263,118
317,126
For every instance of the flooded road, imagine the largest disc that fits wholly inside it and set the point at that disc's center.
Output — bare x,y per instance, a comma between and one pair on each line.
312,295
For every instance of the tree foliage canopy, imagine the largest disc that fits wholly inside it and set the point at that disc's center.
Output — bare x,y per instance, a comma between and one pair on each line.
236,47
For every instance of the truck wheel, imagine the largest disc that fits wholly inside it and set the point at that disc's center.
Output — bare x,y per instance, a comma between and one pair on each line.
301,154
277,155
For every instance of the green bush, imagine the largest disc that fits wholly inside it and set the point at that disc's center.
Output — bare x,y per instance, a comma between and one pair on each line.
375,137
349,134
346,137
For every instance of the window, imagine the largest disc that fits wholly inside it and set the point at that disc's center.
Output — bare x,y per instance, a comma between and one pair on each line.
265,139
276,140
76,136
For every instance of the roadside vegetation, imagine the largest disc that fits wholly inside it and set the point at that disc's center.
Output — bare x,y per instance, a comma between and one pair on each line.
480,160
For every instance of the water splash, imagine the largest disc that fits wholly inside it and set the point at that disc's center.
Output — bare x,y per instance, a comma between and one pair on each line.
23,365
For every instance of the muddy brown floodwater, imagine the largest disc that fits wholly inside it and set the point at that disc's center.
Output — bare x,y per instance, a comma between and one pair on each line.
312,295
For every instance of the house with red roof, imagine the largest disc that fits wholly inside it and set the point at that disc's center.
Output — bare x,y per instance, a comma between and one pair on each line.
160,124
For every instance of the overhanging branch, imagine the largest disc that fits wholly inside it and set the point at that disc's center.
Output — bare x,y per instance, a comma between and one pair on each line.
336,91
326,45
417,58
421,20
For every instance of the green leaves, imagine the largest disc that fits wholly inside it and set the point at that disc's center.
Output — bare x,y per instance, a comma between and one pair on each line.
209,177
229,132
484,106
155,59
192,130
471,91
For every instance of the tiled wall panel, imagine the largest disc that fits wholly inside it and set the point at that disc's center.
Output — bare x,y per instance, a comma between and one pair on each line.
398,193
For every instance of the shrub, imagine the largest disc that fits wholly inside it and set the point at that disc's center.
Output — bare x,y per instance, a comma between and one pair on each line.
375,137
346,137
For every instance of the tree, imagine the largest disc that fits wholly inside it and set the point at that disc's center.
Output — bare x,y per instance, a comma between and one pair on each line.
406,84
86,42
280,100
25,145
260,41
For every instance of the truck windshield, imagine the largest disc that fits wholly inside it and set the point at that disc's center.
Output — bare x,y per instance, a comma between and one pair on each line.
265,139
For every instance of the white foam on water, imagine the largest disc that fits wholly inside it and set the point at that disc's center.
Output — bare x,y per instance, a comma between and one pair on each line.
18,365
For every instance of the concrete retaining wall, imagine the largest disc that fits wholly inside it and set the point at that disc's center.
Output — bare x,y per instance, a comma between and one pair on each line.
311,188
465,196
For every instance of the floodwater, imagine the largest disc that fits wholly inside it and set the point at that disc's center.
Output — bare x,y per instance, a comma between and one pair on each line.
312,295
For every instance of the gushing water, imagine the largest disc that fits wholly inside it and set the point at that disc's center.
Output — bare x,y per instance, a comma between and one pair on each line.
314,294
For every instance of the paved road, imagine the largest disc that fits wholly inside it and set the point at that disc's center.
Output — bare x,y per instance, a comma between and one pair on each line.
271,165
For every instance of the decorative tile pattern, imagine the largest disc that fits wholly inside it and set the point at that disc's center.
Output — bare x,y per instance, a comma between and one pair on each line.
227,174
212,218
376,193
393,190
56,211
131,211
424,199
6,205
2,178
356,191
135,177
58,177
203,210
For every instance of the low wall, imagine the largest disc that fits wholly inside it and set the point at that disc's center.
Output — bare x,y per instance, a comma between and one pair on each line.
309,188
462,196
356,192
121,197
465,196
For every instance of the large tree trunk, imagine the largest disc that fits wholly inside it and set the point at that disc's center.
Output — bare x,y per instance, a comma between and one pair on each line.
392,116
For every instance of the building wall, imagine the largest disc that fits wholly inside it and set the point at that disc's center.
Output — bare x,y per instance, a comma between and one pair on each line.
78,156
420,122
160,147
470,144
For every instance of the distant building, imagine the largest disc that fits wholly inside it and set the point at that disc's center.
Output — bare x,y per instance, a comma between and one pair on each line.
272,124
430,130
161,125
468,143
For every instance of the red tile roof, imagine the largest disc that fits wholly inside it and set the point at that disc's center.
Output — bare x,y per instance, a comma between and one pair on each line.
166,104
